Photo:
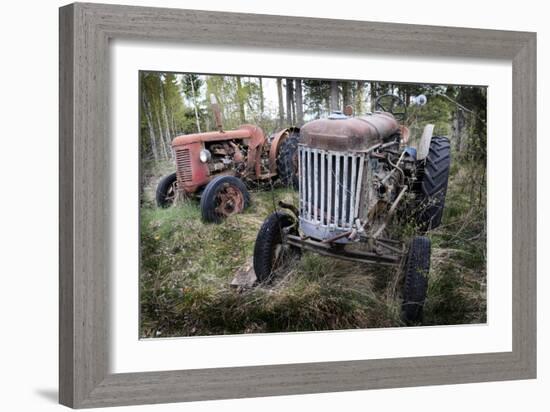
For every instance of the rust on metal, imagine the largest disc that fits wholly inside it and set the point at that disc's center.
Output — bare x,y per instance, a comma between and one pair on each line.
192,173
342,253
238,154
229,201
405,134
240,133
278,138
356,133
390,213
257,140
217,112
348,110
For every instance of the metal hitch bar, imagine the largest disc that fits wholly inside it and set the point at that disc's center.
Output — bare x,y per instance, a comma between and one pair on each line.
341,253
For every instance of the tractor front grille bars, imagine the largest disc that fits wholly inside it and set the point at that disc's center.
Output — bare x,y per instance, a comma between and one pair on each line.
183,162
330,188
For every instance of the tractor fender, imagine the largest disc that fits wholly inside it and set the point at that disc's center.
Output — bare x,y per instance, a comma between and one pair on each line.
424,144
257,140
278,139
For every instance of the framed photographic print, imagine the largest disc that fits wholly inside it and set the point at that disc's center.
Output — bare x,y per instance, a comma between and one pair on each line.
258,205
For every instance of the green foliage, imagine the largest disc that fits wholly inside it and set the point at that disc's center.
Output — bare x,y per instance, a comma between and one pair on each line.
317,94
458,277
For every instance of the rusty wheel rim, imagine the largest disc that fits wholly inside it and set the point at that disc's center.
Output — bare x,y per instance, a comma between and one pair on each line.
229,200
172,192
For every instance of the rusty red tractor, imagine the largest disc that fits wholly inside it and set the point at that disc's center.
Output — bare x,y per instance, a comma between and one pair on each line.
360,187
218,166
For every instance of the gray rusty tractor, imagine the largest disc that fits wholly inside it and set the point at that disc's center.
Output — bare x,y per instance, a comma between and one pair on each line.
359,184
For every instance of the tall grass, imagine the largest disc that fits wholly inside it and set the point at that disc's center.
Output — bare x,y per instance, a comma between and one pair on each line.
187,267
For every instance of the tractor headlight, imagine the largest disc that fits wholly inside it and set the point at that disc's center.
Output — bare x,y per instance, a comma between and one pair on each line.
205,155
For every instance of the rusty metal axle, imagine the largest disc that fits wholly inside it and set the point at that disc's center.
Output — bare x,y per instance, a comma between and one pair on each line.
342,253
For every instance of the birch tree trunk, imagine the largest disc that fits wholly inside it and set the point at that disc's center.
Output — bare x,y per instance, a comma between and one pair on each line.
161,137
167,134
173,124
195,105
152,138
240,100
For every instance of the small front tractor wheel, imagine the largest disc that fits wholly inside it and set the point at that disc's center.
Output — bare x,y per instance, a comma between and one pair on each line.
270,253
432,187
287,161
415,288
223,197
167,190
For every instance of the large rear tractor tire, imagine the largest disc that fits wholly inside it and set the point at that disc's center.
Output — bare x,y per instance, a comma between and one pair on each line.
223,196
433,181
287,161
415,287
167,191
270,253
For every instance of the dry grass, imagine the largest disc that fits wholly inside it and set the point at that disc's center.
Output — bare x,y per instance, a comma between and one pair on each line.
187,266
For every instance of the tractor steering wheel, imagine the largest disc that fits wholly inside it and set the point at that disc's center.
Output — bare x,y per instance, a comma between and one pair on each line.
393,104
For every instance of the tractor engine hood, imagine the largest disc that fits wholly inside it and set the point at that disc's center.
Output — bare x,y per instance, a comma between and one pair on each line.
342,133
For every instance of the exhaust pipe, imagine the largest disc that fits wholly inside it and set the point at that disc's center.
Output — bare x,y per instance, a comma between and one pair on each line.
217,112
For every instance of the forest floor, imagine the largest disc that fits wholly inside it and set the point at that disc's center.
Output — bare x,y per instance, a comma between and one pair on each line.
187,267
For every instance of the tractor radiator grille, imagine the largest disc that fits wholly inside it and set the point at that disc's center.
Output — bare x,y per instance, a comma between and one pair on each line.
183,165
330,188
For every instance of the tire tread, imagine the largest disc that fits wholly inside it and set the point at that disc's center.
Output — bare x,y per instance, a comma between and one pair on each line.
284,161
162,188
433,186
415,287
268,236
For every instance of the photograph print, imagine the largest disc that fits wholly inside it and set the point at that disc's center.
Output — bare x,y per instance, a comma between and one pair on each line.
272,205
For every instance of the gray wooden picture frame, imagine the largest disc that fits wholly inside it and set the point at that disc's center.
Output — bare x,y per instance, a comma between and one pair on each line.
85,31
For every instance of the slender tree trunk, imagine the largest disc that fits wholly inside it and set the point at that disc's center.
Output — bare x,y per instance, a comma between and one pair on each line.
261,96
152,137
162,142
373,88
299,103
167,135
346,94
459,121
289,99
281,107
195,104
334,96
240,101
359,98
173,123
